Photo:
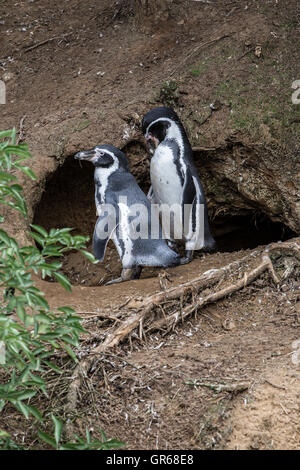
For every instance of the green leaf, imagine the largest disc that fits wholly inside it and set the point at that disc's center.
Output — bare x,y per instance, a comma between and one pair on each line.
89,256
42,317
35,412
20,150
68,339
70,352
63,281
37,238
23,408
53,367
7,177
38,300
51,251
4,237
63,230
58,425
40,230
21,312
45,437
28,172
4,134
66,310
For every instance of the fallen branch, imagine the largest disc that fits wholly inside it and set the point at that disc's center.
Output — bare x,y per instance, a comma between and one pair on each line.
30,48
205,149
252,49
218,388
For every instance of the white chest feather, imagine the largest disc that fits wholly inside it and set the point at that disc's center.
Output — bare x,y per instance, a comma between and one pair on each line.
124,230
166,183
101,179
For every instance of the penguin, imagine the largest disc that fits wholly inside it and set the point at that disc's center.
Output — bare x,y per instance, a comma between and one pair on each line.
174,179
124,216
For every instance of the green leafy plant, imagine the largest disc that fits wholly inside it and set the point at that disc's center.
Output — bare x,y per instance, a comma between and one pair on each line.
169,94
6,443
79,444
30,332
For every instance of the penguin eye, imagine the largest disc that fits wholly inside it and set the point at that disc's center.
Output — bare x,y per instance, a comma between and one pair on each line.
101,154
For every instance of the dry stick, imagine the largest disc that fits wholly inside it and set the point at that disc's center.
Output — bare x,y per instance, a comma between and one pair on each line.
234,388
21,130
246,53
123,330
30,48
205,149
275,385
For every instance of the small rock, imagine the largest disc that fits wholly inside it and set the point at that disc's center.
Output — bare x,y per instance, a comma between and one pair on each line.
7,76
258,51
228,325
215,105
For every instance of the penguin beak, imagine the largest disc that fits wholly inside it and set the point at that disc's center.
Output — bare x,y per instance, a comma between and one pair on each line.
152,142
87,155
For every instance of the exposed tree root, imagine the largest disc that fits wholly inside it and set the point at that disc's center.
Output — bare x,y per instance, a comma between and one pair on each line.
177,303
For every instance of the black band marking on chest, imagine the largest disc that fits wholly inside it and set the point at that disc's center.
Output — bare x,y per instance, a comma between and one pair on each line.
173,145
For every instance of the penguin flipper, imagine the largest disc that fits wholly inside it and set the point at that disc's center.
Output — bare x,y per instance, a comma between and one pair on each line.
99,247
189,197
189,190
104,228
198,236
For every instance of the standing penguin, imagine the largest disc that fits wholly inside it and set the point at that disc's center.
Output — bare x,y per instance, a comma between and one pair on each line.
118,201
174,178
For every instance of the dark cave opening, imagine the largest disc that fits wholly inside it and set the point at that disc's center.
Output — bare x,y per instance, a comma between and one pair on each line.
68,201
248,231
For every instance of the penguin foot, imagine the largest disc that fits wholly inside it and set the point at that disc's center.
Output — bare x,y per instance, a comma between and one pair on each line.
187,258
173,245
127,275
210,247
114,281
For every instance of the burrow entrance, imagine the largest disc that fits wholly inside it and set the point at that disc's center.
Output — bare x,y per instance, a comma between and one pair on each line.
68,201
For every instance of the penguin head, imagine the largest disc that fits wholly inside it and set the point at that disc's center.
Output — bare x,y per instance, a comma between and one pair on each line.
104,156
156,123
